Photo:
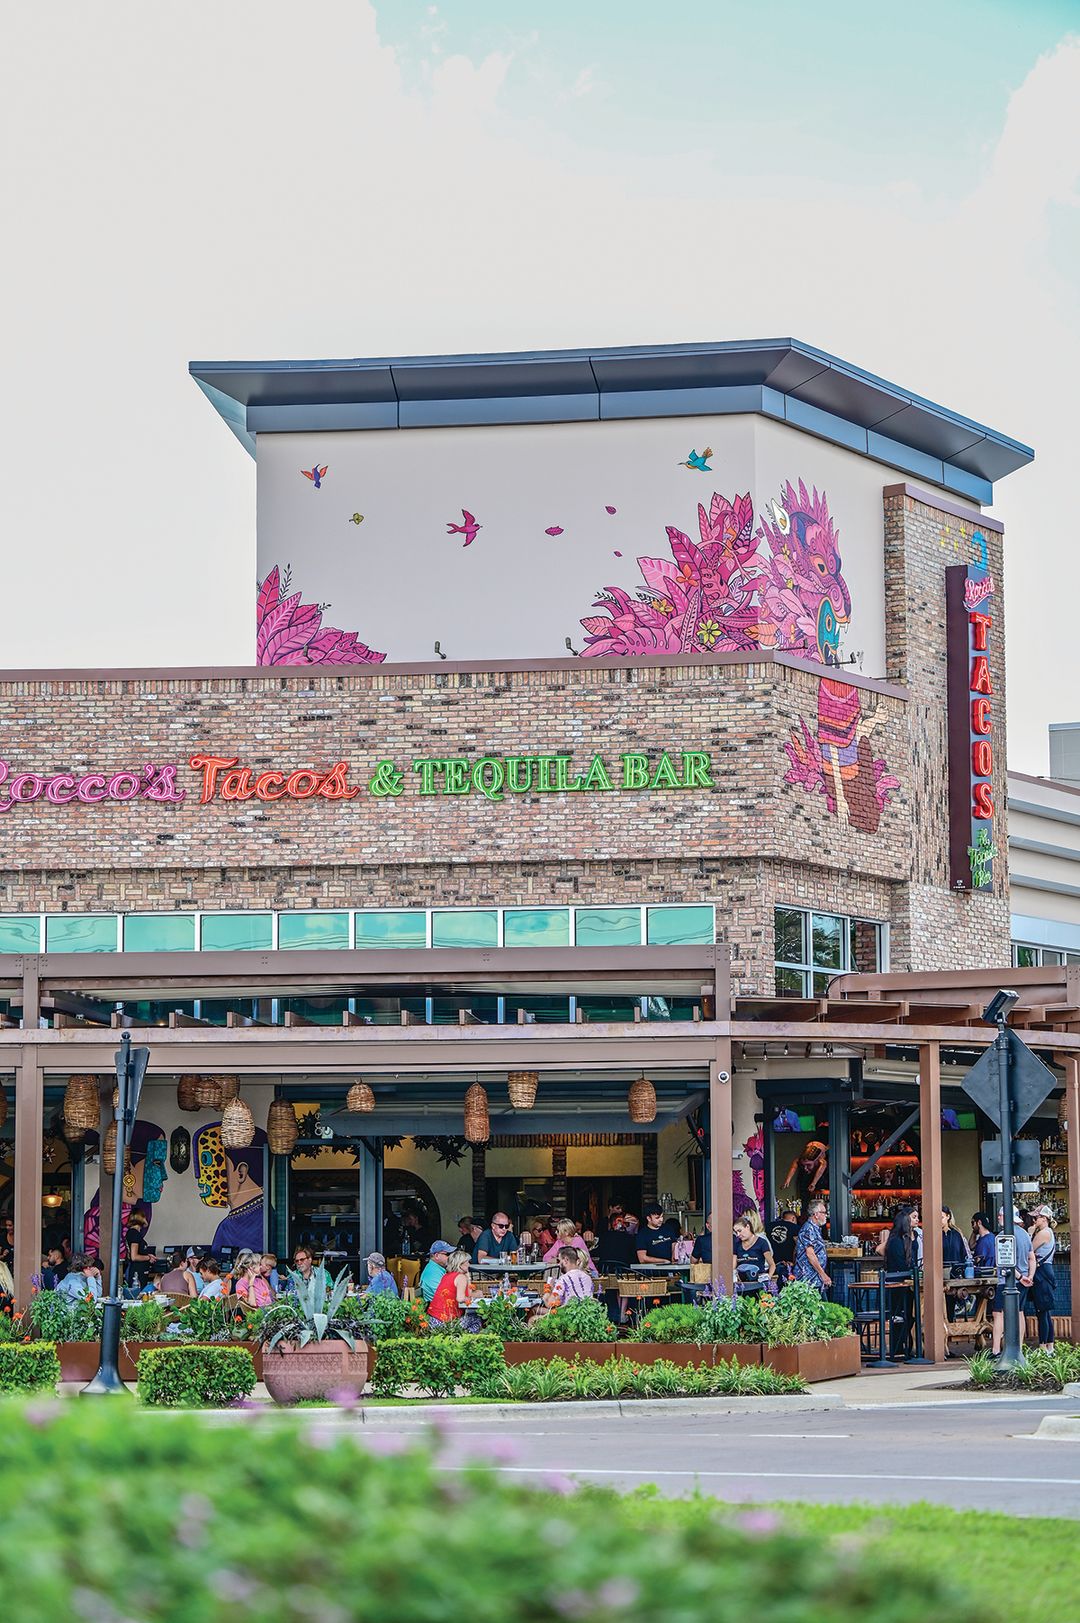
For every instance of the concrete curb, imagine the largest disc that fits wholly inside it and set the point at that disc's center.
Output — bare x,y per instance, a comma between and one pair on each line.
1058,1428
594,1408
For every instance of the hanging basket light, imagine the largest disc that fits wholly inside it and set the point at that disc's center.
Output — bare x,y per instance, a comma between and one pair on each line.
477,1120
108,1150
237,1125
82,1108
281,1129
522,1086
207,1093
186,1098
641,1101
360,1098
229,1087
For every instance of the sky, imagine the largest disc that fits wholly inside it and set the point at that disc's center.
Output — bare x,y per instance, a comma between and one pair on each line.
898,186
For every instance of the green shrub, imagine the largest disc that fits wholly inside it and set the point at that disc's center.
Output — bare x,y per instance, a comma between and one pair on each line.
584,1319
681,1321
30,1366
209,1318
51,1316
195,1375
436,1364
382,1317
1044,1369
144,1321
557,1380
723,1319
796,1315
10,1327
502,1317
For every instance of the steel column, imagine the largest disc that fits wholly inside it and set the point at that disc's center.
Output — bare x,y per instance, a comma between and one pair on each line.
29,1133
933,1295
721,1166
1072,1140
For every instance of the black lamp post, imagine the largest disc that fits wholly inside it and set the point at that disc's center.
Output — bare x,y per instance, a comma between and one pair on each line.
131,1066
997,1014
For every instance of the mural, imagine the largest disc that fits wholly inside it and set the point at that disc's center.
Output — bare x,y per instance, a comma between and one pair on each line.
291,632
233,1179
143,1181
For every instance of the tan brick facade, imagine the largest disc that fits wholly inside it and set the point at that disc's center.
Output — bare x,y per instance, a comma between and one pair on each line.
747,843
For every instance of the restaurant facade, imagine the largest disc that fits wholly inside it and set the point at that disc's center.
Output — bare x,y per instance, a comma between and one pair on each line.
614,718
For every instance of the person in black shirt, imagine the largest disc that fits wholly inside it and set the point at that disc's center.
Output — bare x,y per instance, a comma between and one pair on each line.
783,1236
654,1241
703,1243
617,1249
753,1257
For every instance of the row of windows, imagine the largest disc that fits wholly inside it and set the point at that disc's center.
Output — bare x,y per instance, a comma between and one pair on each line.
1025,956
678,925
811,948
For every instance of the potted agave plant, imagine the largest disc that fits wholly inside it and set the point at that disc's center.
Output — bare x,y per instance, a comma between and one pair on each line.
309,1348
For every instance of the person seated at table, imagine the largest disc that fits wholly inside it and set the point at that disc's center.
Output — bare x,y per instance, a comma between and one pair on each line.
83,1278
245,1263
497,1240
753,1256
573,1282
544,1231
55,1268
451,1296
304,1265
439,1254
268,1270
211,1282
567,1235
655,1240
983,1249
465,1237
380,1281
154,1275
617,1248
702,1251
252,1285
178,1278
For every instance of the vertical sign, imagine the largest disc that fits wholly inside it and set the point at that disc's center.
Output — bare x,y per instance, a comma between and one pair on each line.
969,595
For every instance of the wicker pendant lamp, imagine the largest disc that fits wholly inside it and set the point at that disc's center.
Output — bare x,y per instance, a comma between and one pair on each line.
229,1087
185,1093
360,1098
108,1150
477,1120
81,1108
237,1125
207,1093
522,1086
281,1129
641,1101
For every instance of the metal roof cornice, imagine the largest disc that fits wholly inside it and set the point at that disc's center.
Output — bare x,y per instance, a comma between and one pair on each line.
779,378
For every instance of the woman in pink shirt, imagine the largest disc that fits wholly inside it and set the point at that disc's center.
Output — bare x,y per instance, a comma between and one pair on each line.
566,1235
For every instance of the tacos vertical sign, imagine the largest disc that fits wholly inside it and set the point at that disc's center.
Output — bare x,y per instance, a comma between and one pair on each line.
970,610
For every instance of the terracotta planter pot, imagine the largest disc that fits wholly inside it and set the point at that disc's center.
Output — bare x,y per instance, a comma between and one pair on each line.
743,1352
78,1360
681,1353
315,1371
816,1360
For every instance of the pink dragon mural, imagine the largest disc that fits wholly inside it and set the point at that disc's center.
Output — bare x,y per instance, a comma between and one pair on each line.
291,632
776,584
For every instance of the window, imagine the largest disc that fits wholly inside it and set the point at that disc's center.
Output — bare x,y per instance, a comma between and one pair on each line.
20,932
811,948
86,932
1027,956
320,929
608,927
680,926
536,927
159,932
391,929
237,932
466,927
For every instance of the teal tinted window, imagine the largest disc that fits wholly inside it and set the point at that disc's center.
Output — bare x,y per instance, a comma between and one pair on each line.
20,933
536,927
237,932
680,926
391,929
159,932
68,932
468,927
608,927
322,929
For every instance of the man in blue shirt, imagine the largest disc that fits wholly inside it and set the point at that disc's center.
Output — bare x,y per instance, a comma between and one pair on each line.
380,1281
984,1251
810,1254
434,1268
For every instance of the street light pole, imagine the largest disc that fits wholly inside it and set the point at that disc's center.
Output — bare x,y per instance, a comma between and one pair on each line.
1011,1353
107,1381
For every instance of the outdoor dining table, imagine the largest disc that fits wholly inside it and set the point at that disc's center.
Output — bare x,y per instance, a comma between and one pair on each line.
660,1267
492,1267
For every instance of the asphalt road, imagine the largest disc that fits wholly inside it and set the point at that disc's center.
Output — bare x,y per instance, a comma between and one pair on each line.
967,1455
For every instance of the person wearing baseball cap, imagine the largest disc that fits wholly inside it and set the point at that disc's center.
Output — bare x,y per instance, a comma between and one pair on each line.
438,1255
381,1281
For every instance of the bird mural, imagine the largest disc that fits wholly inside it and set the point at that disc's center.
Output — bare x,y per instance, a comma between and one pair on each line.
700,463
357,518
555,529
610,509
316,474
468,528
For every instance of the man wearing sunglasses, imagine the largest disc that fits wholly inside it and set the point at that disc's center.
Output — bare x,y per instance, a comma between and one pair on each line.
497,1240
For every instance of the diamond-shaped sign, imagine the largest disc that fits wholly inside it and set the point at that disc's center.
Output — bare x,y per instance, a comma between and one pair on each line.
1030,1081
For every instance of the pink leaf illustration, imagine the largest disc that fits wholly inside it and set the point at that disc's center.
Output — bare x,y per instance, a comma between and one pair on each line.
291,632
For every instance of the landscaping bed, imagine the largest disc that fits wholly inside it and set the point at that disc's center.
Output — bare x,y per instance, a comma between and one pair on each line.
1045,1369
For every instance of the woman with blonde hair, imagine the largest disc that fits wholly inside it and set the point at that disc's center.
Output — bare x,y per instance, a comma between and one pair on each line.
566,1234
452,1292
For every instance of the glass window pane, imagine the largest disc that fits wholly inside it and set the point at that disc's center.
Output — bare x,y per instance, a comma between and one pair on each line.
536,927
827,940
321,929
1051,955
865,943
159,932
608,927
790,983
1070,957
680,926
237,932
467,927
539,1010
821,984
393,928
68,932
605,1009
20,932
790,939
1026,957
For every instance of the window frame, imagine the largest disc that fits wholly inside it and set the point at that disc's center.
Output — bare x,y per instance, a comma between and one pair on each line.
808,970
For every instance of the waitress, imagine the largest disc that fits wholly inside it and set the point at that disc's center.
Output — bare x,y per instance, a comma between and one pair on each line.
753,1258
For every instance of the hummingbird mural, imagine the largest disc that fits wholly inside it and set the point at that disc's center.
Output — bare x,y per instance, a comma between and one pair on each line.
700,463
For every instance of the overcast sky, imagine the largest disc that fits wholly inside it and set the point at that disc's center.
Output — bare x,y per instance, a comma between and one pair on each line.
266,180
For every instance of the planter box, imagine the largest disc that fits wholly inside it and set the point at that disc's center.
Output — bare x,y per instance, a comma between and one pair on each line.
315,1371
816,1360
79,1359
681,1353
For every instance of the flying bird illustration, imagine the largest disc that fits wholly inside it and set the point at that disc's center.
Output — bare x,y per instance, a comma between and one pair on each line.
315,474
782,517
618,555
701,463
610,509
468,529
556,529
357,518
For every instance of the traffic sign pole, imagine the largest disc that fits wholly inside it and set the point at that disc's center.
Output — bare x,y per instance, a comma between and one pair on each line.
1011,1354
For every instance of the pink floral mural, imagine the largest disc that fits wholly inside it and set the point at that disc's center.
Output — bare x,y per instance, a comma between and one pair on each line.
291,632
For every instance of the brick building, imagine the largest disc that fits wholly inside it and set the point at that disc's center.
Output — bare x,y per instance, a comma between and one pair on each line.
730,780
